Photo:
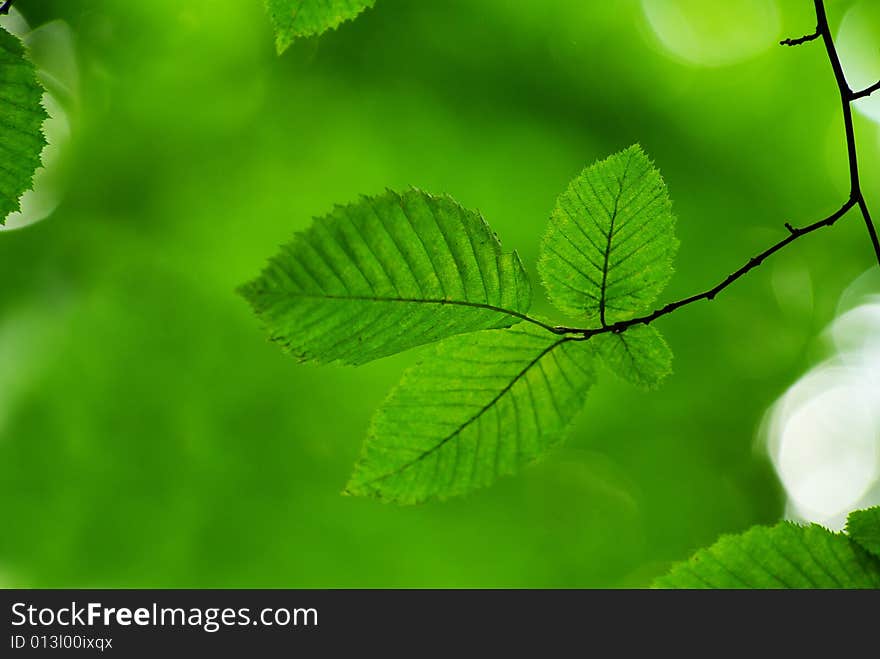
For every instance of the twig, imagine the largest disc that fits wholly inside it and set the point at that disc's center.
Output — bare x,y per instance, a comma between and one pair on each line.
865,92
6,7
804,39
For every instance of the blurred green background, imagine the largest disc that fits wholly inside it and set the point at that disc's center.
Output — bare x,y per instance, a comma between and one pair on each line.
150,436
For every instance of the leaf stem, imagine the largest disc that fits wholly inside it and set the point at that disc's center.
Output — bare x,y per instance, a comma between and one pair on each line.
856,196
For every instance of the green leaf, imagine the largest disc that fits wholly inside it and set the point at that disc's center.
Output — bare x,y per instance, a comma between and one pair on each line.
386,274
305,18
609,248
863,526
21,121
477,407
783,556
640,355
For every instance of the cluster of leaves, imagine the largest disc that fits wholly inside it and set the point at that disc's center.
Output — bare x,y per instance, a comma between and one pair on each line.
788,556
21,121
499,389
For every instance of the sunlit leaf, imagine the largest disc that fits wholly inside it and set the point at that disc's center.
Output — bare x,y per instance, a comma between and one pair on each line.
863,526
477,407
783,556
640,355
386,274
610,244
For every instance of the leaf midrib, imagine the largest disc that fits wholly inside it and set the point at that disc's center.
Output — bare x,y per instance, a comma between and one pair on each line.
612,216
406,300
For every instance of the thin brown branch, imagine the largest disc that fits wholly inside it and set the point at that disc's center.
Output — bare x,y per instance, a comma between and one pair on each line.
867,91
804,39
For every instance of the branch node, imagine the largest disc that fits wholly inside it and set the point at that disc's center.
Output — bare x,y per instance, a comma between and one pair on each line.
791,229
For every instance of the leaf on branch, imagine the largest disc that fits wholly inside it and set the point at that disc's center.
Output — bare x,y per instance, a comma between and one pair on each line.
478,407
863,526
782,556
305,18
386,274
21,121
610,244
640,355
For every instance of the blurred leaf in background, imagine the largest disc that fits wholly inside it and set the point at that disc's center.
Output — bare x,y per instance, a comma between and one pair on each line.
150,436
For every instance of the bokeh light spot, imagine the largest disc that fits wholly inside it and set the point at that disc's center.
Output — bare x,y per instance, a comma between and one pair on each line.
824,433
714,33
